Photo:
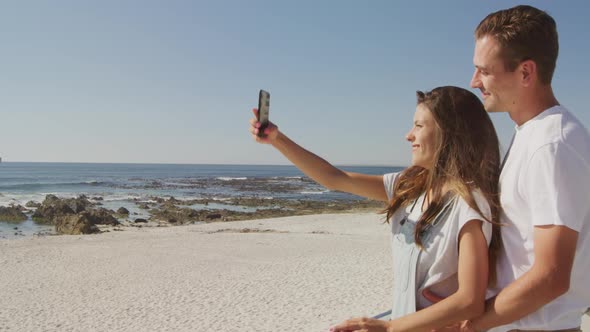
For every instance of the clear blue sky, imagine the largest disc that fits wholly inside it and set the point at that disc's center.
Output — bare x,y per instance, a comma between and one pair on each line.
175,81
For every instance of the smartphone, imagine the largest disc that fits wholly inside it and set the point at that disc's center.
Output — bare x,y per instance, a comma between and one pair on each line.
263,108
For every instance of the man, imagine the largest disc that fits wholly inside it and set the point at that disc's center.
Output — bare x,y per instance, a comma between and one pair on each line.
545,181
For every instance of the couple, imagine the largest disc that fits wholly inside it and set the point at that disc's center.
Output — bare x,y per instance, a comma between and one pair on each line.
479,243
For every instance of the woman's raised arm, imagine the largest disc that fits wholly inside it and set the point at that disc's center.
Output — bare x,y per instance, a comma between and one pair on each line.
321,171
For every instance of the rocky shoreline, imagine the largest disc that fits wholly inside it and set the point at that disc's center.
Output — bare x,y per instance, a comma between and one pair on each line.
84,215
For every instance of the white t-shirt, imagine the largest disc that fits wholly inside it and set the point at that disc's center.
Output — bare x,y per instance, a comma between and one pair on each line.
439,261
546,181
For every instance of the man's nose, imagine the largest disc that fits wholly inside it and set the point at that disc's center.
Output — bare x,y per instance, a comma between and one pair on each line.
475,81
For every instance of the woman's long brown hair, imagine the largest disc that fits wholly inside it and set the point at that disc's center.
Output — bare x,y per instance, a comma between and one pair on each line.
467,158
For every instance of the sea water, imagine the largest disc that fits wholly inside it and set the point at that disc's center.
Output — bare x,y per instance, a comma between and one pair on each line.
120,185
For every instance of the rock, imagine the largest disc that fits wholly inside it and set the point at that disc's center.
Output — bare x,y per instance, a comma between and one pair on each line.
175,215
79,204
85,222
143,206
33,204
123,211
12,214
51,209
212,216
76,205
75,224
101,216
140,220
173,200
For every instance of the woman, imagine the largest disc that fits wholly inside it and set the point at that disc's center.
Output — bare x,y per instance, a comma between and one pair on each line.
443,210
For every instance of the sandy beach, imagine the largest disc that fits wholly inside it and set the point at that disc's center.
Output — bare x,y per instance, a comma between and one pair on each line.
292,274
295,274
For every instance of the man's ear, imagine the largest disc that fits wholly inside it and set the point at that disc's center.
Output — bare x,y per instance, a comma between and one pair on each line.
528,71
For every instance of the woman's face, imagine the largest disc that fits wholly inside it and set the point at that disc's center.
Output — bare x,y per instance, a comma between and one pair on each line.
423,137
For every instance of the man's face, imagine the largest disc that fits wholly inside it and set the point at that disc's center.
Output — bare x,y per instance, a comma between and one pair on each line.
499,87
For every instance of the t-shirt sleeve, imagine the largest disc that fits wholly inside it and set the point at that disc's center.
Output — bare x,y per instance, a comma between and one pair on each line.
557,181
388,181
467,214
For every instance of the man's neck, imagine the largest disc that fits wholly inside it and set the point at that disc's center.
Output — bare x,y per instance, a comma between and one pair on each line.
533,105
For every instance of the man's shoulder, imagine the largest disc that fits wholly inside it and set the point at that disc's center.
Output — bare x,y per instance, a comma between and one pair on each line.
574,132
558,126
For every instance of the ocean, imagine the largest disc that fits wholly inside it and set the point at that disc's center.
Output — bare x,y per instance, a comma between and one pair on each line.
125,184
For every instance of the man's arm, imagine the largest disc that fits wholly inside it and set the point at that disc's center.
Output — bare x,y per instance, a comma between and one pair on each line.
548,278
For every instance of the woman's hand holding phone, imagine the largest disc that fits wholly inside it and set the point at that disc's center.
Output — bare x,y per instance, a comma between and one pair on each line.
270,132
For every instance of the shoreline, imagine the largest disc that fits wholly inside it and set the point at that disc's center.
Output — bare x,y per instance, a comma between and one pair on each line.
45,218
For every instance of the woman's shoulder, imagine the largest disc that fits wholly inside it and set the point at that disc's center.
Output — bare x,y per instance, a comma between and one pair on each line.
391,176
389,180
478,198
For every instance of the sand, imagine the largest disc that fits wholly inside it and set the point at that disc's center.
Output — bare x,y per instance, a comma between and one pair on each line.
291,274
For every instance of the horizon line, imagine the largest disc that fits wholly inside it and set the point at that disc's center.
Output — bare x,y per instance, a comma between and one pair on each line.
173,163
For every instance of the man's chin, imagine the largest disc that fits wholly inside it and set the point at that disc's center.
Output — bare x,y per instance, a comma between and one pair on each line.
492,108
